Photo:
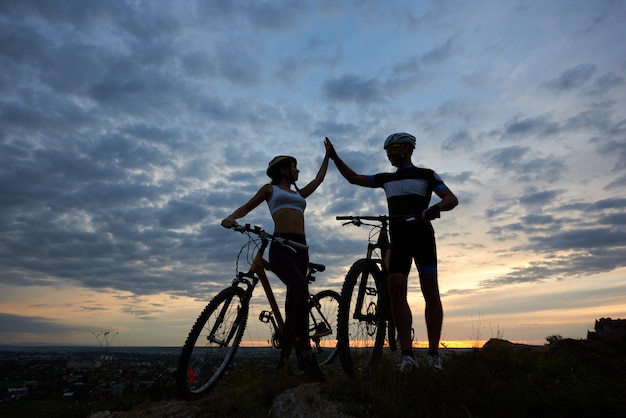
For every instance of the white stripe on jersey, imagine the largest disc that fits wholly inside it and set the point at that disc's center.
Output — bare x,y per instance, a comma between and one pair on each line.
406,187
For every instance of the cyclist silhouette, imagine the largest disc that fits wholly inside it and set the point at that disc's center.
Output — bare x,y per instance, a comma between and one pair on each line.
409,190
287,209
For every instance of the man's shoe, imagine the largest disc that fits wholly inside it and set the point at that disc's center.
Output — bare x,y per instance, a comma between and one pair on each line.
407,364
435,361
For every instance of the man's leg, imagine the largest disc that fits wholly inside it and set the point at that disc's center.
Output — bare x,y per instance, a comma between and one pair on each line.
397,284
433,311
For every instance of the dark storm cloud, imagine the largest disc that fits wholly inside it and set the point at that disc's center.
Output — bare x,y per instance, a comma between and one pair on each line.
314,54
458,140
121,147
583,78
535,197
439,53
237,65
572,78
35,325
334,129
592,239
618,183
353,88
606,83
613,203
575,239
89,158
458,178
614,145
524,164
275,16
541,126
263,16
588,252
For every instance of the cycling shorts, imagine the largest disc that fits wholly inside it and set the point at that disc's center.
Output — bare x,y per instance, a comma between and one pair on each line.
413,242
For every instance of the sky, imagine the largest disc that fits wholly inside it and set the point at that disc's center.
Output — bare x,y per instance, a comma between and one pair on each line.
129,129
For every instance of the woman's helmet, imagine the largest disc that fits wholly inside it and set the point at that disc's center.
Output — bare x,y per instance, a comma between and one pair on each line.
278,162
399,138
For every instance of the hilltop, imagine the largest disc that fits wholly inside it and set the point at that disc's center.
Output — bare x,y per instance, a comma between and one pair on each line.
566,377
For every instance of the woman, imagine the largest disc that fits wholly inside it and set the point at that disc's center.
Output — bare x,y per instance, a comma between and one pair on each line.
287,210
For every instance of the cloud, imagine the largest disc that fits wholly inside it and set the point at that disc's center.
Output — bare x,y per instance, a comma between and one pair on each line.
181,214
606,83
460,140
572,78
9,323
129,129
276,17
576,240
523,163
533,197
237,65
438,54
539,126
353,88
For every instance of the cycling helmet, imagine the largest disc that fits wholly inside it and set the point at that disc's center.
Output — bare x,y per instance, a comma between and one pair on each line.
277,163
400,138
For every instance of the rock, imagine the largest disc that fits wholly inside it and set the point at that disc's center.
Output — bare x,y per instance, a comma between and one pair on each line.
305,401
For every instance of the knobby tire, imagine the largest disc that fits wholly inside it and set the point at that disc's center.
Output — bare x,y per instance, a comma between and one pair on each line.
361,335
202,362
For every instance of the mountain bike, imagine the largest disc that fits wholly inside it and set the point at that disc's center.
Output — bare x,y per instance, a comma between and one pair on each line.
365,318
217,333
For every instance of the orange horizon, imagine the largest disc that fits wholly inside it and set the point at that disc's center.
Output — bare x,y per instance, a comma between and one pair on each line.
459,344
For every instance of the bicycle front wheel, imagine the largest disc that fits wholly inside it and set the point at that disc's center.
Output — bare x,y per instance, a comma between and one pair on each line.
361,325
212,343
323,326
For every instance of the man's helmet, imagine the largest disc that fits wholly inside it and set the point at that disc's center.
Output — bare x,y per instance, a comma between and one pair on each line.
278,162
400,138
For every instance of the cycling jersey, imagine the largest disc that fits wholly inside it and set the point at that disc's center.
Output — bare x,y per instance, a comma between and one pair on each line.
282,199
409,189
408,192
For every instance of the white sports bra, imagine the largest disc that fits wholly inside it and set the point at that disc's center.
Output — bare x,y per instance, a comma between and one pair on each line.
282,199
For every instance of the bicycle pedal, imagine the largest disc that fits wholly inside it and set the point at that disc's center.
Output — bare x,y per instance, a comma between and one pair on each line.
322,333
265,316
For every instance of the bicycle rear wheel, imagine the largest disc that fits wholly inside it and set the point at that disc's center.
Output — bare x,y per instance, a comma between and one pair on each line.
323,326
361,325
212,343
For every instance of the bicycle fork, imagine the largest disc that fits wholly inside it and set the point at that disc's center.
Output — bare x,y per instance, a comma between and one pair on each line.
242,278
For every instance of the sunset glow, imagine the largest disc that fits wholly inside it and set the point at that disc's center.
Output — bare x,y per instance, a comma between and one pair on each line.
130,129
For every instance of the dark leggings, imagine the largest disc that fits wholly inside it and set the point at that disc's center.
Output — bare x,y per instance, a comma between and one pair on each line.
291,269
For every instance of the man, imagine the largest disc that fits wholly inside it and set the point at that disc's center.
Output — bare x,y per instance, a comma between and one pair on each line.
408,192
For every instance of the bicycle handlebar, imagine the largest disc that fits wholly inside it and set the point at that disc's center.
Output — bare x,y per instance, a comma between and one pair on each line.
356,219
257,230
365,217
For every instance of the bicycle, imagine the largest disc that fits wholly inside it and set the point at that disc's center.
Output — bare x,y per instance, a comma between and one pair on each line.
364,305
217,333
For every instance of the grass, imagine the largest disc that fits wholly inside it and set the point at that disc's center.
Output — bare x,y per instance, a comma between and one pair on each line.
566,378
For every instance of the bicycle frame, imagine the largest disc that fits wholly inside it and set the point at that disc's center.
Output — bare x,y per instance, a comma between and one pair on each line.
366,318
382,242
257,273
218,331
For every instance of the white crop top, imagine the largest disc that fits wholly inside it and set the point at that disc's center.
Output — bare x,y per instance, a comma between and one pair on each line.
282,199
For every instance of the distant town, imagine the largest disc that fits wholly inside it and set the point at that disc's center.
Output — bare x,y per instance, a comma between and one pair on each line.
79,373
68,376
